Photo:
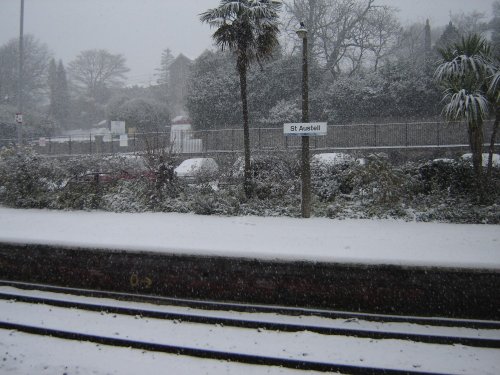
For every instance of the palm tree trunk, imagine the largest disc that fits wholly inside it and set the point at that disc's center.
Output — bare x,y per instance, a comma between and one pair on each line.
492,142
247,182
476,139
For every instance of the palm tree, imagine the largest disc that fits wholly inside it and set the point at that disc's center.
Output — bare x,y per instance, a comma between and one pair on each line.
494,93
465,72
248,28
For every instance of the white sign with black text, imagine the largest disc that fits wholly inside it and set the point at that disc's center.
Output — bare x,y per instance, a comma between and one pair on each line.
309,129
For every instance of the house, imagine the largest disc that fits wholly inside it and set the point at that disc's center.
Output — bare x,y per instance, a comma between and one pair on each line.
178,75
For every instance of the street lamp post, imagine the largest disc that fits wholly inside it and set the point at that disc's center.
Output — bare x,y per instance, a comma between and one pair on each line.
19,120
306,167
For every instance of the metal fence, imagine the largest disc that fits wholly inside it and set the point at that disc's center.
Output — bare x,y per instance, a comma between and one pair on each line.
358,136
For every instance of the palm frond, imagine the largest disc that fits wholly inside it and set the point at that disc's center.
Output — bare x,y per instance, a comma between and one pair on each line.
494,88
459,66
247,27
471,56
463,105
254,9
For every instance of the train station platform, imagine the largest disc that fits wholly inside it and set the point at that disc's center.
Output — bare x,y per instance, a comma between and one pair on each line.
379,266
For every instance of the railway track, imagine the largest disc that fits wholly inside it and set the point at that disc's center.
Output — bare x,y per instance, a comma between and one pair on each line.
253,308
436,331
206,354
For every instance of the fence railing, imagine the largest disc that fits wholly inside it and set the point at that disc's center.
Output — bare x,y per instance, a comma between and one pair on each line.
359,136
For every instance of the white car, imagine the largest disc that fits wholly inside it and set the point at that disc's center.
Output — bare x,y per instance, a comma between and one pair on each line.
191,169
330,159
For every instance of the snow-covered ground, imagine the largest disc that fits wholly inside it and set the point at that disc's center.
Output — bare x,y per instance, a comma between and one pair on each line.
317,239
28,354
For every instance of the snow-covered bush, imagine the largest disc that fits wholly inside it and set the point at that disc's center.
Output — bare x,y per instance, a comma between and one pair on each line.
439,190
286,206
126,196
28,180
377,181
211,202
330,175
86,180
162,180
446,176
459,211
80,196
275,175
283,111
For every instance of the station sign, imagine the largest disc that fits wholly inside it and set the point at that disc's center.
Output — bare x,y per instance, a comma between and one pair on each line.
307,129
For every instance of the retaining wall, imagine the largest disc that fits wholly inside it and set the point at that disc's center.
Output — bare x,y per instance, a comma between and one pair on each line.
422,291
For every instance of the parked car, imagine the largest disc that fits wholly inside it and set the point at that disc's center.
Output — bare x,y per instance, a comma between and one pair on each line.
192,170
329,159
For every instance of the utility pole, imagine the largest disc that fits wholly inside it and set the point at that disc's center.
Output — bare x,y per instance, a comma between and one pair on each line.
306,166
19,117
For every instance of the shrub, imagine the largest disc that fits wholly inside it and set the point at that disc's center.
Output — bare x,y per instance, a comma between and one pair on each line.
429,191
88,179
126,196
160,163
449,176
328,181
378,181
28,181
275,175
214,203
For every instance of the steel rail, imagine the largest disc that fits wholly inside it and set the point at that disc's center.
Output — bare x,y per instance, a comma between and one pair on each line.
251,324
252,308
208,354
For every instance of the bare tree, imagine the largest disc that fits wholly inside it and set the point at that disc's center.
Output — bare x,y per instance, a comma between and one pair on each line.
36,61
98,70
470,23
312,13
345,35
384,29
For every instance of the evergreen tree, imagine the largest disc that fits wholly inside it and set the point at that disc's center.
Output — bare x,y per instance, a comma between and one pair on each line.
164,71
164,74
62,110
52,81
427,37
450,35
58,93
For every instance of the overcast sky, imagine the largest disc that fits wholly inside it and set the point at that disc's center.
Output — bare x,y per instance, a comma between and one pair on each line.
141,29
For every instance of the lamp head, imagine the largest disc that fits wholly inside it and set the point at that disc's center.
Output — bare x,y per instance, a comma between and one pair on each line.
302,32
